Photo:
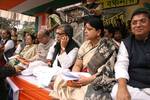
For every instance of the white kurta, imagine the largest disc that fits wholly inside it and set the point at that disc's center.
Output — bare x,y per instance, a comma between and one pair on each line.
121,71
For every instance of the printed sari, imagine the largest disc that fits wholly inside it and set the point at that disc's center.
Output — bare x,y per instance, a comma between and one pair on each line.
100,63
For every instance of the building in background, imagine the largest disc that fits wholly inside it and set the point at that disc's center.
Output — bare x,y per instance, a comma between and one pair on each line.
17,19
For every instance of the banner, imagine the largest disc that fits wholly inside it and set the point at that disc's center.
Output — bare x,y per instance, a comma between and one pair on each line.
116,3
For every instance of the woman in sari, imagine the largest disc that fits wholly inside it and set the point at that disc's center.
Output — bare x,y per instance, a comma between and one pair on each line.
28,52
93,54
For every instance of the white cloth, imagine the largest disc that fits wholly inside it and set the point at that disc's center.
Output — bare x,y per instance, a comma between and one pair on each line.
44,74
66,60
32,65
136,93
74,75
121,71
51,52
18,49
14,88
122,63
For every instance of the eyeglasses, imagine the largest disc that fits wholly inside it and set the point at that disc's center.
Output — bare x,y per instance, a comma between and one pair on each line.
60,33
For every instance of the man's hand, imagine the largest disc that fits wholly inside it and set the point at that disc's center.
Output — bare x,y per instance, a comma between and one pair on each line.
122,93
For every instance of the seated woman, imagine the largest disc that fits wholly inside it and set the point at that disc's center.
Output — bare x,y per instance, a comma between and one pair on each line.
63,52
28,52
95,56
61,55
21,43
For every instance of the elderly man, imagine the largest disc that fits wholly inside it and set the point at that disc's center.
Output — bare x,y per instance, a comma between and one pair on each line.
45,42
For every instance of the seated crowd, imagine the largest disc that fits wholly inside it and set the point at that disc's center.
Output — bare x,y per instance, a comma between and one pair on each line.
108,66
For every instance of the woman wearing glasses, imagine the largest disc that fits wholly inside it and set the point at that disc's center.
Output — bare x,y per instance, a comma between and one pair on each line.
63,53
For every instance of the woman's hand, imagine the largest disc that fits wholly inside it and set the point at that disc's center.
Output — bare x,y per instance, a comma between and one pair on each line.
63,43
74,83
18,57
22,60
81,82
78,83
84,80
